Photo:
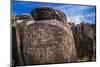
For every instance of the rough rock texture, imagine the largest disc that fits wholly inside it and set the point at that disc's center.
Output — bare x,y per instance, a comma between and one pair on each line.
85,41
48,39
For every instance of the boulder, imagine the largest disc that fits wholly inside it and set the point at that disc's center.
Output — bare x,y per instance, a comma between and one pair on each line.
47,13
84,37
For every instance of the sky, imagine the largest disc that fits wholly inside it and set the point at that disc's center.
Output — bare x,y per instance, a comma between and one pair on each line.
74,13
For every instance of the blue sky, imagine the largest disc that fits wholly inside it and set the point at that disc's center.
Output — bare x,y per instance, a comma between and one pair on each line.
74,13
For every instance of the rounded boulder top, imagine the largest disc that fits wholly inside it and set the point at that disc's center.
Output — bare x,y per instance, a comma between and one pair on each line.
47,13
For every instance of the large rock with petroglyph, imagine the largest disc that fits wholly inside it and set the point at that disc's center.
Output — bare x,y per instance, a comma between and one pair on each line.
47,38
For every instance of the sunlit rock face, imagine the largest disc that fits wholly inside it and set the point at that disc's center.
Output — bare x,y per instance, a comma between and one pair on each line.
85,41
47,39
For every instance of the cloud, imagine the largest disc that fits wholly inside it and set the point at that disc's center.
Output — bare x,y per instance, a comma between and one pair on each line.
90,15
75,19
78,19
